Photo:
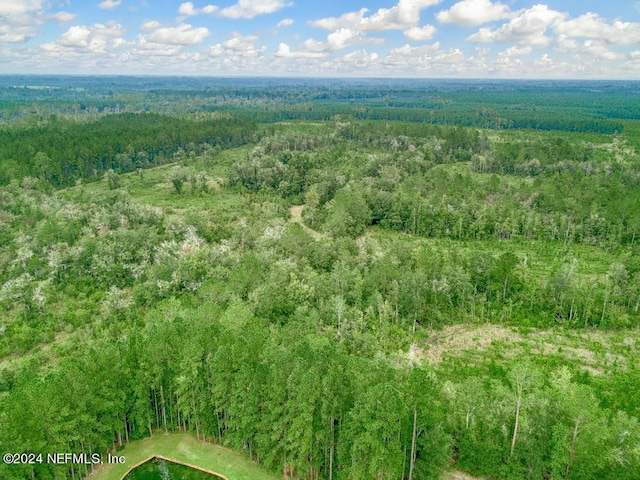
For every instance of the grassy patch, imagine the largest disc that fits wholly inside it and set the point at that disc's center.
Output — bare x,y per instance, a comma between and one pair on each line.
598,353
185,448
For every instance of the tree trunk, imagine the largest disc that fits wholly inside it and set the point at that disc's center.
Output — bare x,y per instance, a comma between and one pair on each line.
566,235
170,408
571,311
155,404
473,308
604,307
193,409
86,469
219,429
504,289
515,427
404,461
164,410
331,451
572,448
412,459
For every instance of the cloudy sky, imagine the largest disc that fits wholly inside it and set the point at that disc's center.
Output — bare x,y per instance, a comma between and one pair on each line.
389,38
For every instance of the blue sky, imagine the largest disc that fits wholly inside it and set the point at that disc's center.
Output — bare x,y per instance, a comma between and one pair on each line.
330,38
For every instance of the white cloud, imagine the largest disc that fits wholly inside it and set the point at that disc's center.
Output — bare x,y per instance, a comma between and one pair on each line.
565,44
150,25
405,14
13,7
429,60
360,59
305,63
146,51
189,10
337,40
183,34
284,51
285,22
94,38
507,65
516,51
528,28
76,36
473,12
452,57
600,50
595,48
351,28
253,8
64,17
242,44
420,34
592,25
109,4
19,20
544,61
407,54
15,34
95,41
237,46
347,20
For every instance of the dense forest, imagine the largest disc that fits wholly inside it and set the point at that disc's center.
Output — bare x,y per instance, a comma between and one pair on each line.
348,284
61,151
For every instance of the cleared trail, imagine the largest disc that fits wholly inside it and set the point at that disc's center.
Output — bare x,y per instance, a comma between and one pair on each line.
296,216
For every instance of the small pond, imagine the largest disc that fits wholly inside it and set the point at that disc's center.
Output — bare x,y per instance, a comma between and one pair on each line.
159,469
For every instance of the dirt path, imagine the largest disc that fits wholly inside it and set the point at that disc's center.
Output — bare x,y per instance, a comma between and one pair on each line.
296,216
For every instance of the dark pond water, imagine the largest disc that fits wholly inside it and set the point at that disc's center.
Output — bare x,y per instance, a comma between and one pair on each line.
158,469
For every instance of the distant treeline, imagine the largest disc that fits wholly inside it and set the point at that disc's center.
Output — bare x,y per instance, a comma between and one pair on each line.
435,116
599,107
61,151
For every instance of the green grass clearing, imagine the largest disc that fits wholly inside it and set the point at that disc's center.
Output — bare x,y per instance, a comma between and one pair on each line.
184,448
